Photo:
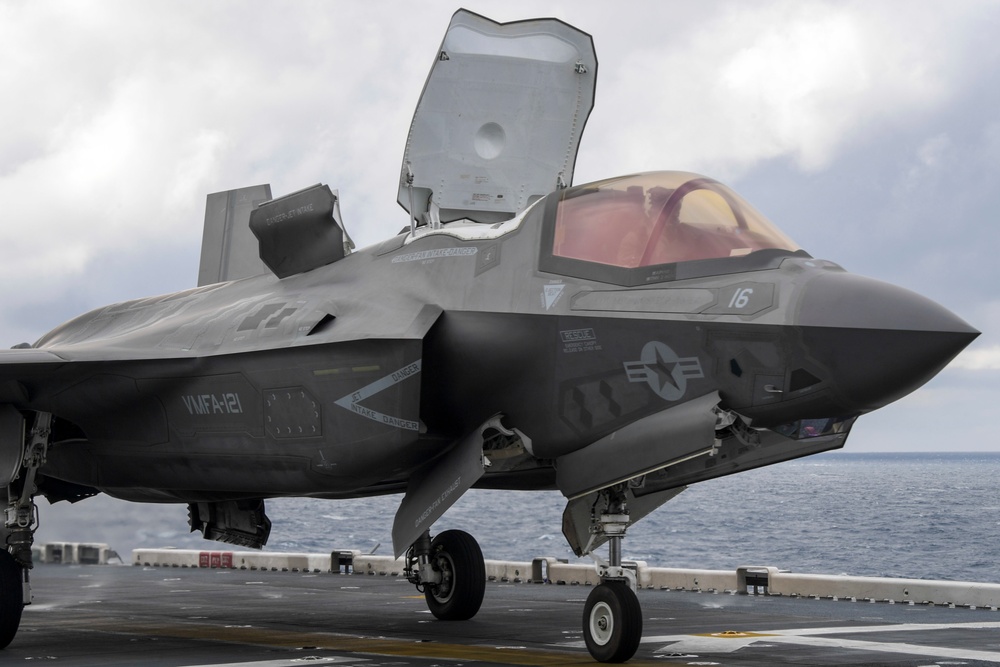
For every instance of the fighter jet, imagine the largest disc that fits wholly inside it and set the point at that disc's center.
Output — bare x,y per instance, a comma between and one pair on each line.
617,341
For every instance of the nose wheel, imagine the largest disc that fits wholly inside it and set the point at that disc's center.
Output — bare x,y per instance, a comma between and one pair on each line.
612,622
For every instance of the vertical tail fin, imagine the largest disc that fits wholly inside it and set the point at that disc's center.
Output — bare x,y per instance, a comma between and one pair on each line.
228,249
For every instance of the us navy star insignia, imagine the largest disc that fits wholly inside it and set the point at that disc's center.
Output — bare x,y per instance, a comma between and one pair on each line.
665,373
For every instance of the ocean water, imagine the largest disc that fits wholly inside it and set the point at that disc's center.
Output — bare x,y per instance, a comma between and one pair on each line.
931,516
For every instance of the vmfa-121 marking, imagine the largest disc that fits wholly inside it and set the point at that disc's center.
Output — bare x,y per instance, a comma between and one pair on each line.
205,404
616,341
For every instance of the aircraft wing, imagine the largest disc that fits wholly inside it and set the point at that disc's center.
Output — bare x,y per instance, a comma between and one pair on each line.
23,364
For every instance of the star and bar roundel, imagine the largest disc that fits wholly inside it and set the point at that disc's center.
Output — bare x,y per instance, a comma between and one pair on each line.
665,373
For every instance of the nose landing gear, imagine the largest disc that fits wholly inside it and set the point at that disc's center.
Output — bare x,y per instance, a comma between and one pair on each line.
612,617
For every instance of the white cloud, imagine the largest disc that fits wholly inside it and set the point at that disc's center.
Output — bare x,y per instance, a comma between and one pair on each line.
936,154
979,359
787,80
127,115
798,75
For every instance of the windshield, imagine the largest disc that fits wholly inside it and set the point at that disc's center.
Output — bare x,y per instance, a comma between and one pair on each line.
659,218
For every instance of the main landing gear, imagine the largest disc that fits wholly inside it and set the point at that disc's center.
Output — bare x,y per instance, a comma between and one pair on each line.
18,529
612,617
450,572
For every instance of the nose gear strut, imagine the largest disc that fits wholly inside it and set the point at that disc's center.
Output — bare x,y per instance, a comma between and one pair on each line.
612,617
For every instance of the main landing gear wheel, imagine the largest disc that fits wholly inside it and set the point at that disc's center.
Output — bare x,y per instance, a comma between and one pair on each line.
612,622
457,556
11,597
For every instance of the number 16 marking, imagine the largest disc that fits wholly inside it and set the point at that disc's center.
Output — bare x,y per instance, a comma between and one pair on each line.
741,298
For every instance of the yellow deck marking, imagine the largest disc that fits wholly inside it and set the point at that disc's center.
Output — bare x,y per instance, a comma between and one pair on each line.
353,644
733,634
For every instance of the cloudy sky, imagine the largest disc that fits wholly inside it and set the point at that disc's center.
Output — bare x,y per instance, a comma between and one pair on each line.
869,131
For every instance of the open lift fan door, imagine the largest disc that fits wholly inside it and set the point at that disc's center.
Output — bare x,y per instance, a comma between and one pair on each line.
499,121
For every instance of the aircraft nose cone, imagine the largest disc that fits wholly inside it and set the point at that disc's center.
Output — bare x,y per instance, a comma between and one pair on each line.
879,342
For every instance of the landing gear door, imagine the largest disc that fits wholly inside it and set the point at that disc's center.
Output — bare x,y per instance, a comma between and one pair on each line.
11,444
661,440
499,121
435,488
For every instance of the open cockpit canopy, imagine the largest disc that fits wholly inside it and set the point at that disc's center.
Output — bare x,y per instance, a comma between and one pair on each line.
633,223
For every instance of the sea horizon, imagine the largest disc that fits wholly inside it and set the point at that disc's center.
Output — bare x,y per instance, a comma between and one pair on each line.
929,515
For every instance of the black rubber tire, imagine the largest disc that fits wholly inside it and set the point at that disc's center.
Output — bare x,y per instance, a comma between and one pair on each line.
457,556
11,597
612,622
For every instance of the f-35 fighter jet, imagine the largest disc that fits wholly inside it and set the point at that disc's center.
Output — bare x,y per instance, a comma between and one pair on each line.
616,341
